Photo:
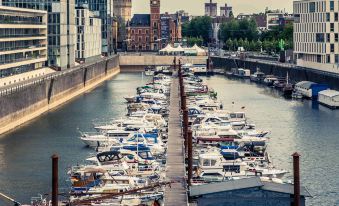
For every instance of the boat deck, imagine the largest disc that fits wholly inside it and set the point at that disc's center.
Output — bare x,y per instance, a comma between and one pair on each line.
176,194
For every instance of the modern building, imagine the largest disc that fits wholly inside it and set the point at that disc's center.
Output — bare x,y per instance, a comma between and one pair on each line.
144,30
316,34
260,19
245,192
275,19
88,47
170,29
211,9
226,11
104,8
61,29
23,40
122,10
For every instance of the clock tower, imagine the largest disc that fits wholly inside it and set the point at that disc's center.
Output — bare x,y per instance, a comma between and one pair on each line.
155,25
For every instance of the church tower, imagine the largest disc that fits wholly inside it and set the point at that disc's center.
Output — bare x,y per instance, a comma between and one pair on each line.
155,25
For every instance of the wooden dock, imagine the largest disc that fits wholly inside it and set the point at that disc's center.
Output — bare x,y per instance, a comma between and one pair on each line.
175,171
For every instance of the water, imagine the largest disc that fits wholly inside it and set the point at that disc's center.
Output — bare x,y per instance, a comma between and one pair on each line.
25,164
310,129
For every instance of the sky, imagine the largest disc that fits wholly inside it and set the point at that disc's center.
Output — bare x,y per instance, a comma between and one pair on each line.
196,7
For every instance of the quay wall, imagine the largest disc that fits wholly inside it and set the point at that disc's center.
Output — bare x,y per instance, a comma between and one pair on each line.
29,100
296,74
154,60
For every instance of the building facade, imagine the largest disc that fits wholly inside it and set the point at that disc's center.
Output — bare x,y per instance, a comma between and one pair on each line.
122,10
61,29
316,34
211,9
104,9
170,29
144,30
23,40
277,19
226,11
88,47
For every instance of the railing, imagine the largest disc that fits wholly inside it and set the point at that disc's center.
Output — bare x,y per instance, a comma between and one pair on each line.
21,22
21,47
10,89
21,59
21,35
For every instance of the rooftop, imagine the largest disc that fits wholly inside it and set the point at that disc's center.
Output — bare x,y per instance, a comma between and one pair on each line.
245,184
140,20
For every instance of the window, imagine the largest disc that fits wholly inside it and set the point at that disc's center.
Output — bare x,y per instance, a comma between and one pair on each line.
328,58
332,47
319,58
331,5
336,58
328,38
331,27
336,37
336,16
319,37
328,17
312,6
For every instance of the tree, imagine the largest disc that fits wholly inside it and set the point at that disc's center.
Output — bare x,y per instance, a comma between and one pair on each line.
229,44
239,29
231,14
194,40
199,27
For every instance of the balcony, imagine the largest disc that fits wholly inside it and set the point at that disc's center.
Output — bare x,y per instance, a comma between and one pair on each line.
21,35
30,47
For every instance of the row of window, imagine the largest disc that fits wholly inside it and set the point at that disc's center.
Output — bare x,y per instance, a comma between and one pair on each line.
316,37
316,17
314,48
311,7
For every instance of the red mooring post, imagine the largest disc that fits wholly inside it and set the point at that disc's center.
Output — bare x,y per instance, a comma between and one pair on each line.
296,176
190,156
183,102
55,185
185,127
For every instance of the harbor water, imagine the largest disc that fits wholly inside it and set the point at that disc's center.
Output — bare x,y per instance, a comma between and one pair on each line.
303,126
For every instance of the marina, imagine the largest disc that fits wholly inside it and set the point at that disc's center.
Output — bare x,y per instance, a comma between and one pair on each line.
229,100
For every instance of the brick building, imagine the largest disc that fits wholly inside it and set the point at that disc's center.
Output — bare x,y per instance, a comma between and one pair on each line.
170,29
144,30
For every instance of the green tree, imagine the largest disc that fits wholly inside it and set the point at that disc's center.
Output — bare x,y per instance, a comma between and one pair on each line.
229,44
194,40
199,27
236,29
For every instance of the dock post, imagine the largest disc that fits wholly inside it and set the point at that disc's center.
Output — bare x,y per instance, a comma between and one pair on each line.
190,157
185,127
183,102
55,160
296,177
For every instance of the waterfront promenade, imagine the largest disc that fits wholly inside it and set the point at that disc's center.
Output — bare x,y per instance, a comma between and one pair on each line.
175,171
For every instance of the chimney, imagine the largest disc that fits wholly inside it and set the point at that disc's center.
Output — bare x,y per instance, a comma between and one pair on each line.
296,176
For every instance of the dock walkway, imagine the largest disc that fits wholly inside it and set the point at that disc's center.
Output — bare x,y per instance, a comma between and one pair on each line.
175,171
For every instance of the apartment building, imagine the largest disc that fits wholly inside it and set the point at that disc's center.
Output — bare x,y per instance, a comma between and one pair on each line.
316,34
23,40
88,47
61,28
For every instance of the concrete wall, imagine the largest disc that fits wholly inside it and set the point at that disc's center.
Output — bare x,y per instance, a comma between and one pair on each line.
151,60
296,74
28,101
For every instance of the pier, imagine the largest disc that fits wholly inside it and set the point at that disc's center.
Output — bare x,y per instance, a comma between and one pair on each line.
175,171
